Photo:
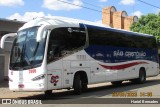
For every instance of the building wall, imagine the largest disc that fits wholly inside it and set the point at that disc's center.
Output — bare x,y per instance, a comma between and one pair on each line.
107,15
117,19
7,26
127,22
10,26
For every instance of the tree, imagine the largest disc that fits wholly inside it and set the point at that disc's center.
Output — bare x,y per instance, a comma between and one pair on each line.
149,24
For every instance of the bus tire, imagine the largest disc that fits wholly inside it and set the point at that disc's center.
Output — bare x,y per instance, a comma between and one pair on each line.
84,87
48,92
116,83
142,76
77,85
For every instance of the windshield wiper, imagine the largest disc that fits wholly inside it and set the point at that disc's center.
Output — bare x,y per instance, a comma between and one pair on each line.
27,59
35,51
24,56
15,62
33,56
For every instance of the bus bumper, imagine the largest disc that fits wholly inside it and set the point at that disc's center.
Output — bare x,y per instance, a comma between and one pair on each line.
27,86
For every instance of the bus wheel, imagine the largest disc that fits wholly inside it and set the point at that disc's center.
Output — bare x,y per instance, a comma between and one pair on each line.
142,76
116,83
84,87
48,92
77,85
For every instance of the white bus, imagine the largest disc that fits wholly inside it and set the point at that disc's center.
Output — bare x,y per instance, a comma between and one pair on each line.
50,54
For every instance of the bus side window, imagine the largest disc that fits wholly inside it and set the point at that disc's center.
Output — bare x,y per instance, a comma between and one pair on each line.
62,42
56,45
76,39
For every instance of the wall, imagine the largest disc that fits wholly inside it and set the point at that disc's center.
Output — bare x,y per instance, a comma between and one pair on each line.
117,19
7,26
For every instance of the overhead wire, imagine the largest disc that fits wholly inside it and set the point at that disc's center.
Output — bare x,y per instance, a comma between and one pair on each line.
88,8
148,4
91,4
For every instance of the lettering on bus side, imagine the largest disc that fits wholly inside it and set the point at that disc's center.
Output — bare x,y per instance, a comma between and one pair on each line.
32,71
129,53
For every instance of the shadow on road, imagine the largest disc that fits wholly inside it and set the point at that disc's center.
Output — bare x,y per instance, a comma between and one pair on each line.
95,92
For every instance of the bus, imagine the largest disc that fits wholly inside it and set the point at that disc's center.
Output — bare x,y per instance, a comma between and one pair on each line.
54,53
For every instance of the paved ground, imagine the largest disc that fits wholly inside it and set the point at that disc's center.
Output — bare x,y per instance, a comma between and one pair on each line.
103,91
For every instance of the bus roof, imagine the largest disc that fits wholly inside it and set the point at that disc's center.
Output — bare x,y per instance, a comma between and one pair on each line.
120,31
56,20
71,22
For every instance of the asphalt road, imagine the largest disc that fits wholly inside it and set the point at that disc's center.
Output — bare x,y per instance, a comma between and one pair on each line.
103,93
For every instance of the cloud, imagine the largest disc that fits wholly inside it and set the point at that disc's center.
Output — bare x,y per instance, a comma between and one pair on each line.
103,0
11,2
127,2
57,5
98,21
137,13
27,16
157,11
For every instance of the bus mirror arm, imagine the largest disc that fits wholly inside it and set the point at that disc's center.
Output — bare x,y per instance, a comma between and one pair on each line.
40,33
5,37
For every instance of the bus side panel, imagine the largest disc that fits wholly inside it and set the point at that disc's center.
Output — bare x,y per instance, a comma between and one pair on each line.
67,74
54,74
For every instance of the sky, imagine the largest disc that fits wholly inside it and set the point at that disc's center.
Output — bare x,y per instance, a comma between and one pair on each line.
25,10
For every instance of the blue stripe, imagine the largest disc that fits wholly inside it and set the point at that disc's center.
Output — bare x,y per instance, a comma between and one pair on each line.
110,54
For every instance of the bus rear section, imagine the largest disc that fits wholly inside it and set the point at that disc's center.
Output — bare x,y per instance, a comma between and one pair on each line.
123,55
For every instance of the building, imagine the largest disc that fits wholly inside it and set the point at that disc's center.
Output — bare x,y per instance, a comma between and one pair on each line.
7,26
117,19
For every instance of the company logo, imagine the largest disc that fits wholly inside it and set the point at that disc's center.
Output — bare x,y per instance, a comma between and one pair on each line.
54,79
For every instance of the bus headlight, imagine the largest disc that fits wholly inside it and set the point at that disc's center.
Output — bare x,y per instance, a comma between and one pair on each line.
42,76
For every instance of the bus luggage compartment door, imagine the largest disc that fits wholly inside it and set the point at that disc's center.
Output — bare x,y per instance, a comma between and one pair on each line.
67,74
54,74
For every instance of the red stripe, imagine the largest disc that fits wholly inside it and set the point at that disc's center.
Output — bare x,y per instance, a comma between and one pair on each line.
123,66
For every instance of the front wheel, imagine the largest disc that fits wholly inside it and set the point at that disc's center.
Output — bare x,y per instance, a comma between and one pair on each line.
77,85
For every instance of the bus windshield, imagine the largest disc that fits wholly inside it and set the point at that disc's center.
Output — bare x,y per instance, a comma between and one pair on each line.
26,52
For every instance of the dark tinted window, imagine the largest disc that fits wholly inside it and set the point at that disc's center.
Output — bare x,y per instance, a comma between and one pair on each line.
64,41
114,38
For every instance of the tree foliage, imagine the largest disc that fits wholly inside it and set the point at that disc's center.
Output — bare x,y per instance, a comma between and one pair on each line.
149,24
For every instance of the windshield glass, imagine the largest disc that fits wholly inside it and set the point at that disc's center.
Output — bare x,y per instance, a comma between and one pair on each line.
26,52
